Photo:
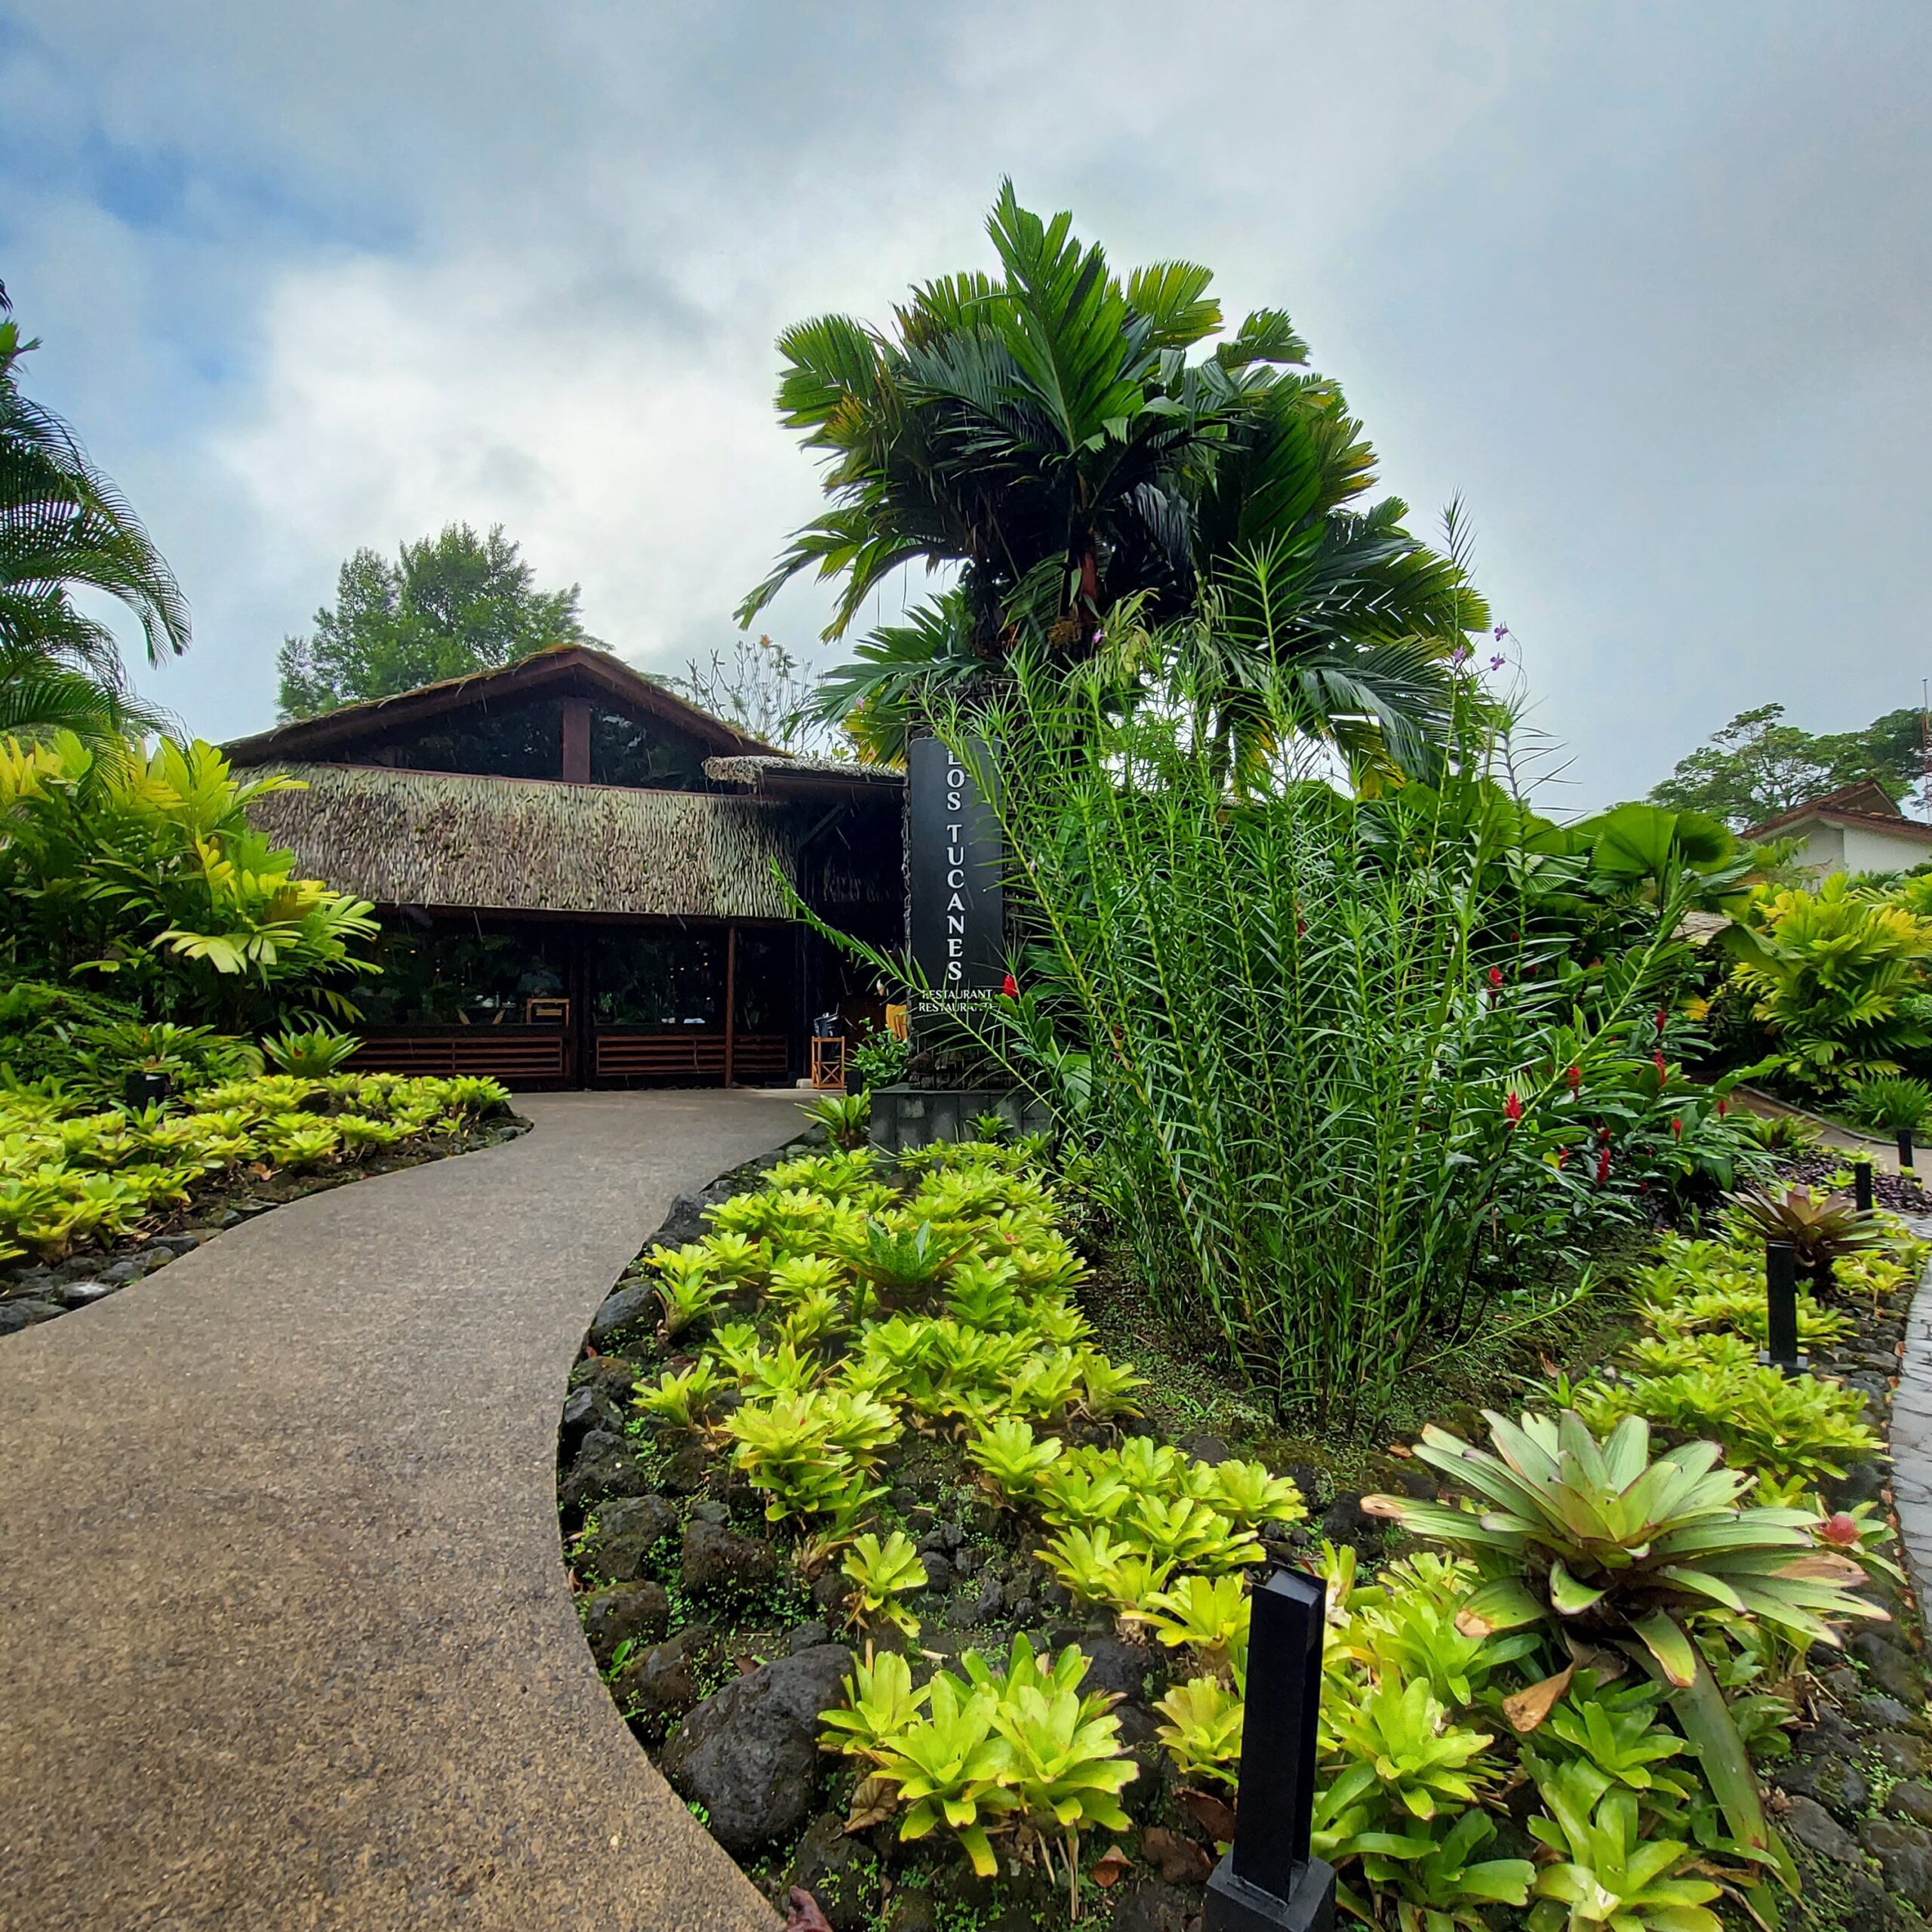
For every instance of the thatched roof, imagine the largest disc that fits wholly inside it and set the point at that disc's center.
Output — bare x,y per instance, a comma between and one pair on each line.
524,845
794,778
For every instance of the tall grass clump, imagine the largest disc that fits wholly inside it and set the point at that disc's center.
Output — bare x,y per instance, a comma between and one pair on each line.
1342,1087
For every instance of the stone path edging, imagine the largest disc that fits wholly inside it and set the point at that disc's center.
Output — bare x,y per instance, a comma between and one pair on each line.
1911,1442
289,1642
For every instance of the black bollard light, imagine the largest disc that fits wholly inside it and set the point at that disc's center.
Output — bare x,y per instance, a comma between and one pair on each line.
1781,1307
1861,1186
1270,1882
1905,1150
145,1088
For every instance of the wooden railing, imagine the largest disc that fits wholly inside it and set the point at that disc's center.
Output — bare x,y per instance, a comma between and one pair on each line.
516,1055
695,1053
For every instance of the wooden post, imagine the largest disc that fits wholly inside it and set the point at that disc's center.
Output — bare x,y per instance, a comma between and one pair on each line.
730,1003
577,741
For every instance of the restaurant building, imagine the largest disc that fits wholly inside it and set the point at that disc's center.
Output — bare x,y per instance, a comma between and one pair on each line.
584,880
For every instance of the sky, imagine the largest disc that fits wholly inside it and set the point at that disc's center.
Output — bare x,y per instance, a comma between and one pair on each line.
1647,286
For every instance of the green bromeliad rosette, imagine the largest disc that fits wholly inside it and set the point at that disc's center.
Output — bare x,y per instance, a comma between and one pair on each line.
1621,1559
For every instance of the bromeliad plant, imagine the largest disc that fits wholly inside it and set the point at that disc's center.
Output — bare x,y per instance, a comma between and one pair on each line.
883,1572
1605,1547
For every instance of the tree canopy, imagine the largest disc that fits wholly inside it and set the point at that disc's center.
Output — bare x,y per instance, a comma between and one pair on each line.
1051,433
1758,765
449,605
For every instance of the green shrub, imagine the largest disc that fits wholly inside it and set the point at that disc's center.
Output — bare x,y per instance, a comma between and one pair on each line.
1891,1103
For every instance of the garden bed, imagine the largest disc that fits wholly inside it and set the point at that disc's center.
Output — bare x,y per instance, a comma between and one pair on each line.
726,1636
156,1185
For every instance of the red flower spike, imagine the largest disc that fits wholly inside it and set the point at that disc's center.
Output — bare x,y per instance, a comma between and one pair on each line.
1575,1077
1724,1105
1495,979
1603,1166
1663,1014
1677,1129
1512,1110
1009,988
1840,1530
1663,1072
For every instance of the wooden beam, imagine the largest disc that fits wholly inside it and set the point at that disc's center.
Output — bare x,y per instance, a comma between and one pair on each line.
730,1003
576,740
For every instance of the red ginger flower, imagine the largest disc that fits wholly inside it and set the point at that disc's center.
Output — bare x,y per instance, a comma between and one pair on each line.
1495,979
1840,1530
1512,1110
1603,1164
1677,1129
1009,988
1575,1077
1663,1072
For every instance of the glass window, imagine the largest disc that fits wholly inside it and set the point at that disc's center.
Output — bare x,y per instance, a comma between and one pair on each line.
493,740
628,751
474,972
660,977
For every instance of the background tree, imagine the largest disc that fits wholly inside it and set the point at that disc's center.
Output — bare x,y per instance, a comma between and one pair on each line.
452,604
765,690
1758,766
1046,434
64,525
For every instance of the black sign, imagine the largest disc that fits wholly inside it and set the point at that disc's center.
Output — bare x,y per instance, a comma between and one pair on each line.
953,860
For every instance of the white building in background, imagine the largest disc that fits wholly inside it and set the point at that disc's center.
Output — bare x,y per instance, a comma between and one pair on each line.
1856,828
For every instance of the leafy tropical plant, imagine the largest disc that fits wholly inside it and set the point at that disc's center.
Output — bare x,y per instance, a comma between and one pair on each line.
846,1117
64,527
1045,431
1892,1102
1608,1546
884,1572
1606,1874
315,1054
1833,974
682,1398
1201,1727
143,872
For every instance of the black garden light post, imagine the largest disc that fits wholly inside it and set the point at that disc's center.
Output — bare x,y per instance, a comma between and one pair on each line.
1269,1881
1781,1307
1905,1152
146,1088
1861,1186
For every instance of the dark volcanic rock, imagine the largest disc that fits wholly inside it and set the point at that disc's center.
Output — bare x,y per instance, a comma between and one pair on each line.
1834,1782
750,1754
623,1309
1911,1799
1151,1904
1887,1714
1904,1852
1345,1522
1814,1828
664,1683
940,1572
714,1559
627,1530
1899,1752
24,1310
633,1613
613,1377
690,1468
607,1464
841,1873
1204,1447
806,1637
1888,1667
587,1407
79,1294
1138,1671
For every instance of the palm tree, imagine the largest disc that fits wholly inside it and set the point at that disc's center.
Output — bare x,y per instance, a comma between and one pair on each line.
1046,434
63,524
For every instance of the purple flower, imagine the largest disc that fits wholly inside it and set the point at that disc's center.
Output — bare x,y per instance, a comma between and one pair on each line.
1502,632
1496,663
1460,655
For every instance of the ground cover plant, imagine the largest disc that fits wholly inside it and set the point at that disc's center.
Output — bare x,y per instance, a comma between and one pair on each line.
924,1503
81,1175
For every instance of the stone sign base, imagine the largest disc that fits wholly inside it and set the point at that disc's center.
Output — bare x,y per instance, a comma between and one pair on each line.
905,1117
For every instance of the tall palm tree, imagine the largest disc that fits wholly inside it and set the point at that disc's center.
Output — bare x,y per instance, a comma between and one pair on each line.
64,525
1046,434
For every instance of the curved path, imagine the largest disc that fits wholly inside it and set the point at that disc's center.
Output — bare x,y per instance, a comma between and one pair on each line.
284,1638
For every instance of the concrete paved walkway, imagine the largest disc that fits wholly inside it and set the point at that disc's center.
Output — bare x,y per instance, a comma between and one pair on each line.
1912,1440
284,1637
